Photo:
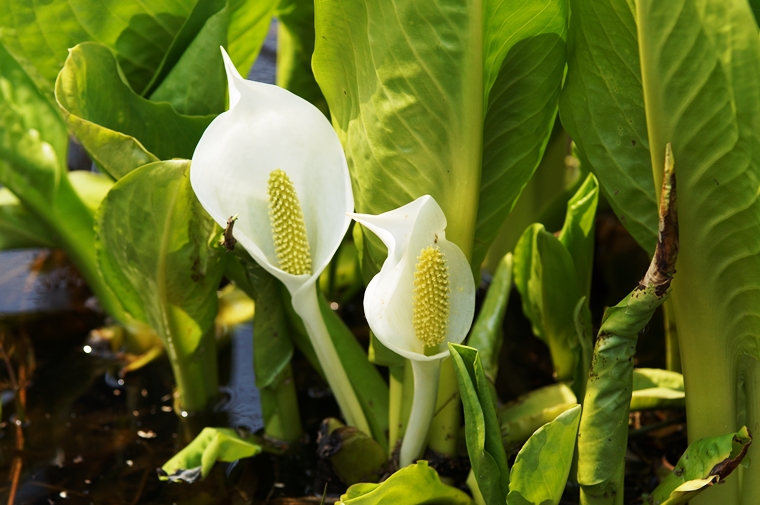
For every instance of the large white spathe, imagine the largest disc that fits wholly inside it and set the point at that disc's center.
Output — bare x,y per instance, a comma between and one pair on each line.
266,128
389,303
269,128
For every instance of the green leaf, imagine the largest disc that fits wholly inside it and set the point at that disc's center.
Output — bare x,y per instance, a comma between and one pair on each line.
402,114
484,445
657,389
524,63
541,469
195,461
487,335
249,25
155,250
545,276
19,229
192,76
119,129
611,129
140,33
416,484
603,436
33,142
405,118
577,234
706,462
524,415
295,47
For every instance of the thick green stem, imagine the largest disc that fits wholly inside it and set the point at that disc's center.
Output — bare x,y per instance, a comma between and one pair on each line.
423,408
279,406
306,305
445,426
401,394
196,375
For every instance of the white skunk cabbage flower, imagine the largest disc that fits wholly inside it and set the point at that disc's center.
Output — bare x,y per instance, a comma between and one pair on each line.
422,299
274,161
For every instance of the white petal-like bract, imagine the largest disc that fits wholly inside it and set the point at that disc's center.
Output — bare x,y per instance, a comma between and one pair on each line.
388,301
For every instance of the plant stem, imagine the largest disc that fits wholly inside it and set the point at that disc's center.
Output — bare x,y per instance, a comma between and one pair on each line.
279,405
444,428
401,393
426,374
196,374
306,305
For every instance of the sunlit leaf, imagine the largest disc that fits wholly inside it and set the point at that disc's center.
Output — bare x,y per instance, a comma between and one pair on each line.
156,249
542,466
418,484
706,462
119,129
195,461
484,445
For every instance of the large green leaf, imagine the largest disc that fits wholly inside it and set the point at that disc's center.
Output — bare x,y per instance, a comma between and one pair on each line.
542,466
416,484
195,461
40,33
484,445
602,107
406,119
155,250
524,53
701,79
119,129
706,462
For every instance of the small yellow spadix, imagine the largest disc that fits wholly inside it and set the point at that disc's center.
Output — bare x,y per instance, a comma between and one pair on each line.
291,243
430,301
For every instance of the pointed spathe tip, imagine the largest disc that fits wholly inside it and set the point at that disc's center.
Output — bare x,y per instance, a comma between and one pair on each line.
233,76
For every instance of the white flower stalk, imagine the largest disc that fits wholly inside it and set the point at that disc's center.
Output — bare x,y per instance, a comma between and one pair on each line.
274,161
422,299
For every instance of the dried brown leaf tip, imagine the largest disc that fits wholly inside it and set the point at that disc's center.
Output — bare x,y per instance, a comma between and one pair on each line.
663,265
228,241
